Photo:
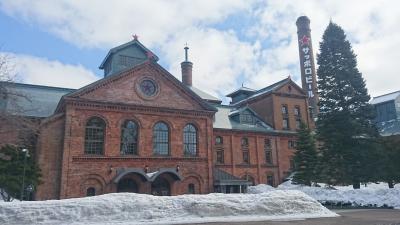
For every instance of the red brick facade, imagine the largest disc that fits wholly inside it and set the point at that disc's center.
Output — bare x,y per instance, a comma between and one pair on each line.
68,172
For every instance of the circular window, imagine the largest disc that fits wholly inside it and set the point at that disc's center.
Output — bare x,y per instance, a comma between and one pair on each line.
148,87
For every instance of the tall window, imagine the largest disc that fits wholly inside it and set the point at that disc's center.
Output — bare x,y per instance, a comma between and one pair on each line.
219,149
268,151
161,139
297,111
220,156
190,140
285,117
285,123
270,179
129,138
298,123
245,150
94,136
284,109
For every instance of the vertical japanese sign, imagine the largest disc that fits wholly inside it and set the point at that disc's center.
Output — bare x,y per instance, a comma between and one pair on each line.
304,43
307,66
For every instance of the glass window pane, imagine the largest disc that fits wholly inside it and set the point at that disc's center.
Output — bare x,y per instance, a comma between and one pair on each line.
190,140
94,136
161,139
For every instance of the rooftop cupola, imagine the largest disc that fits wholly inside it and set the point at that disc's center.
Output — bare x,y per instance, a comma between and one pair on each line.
186,69
126,56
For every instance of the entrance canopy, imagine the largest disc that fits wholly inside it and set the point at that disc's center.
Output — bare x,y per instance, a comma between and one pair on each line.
121,172
223,178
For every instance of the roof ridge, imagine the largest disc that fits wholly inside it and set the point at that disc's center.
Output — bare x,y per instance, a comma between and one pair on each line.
37,85
386,94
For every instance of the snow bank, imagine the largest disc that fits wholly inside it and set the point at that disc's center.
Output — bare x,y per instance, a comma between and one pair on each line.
373,194
129,208
261,188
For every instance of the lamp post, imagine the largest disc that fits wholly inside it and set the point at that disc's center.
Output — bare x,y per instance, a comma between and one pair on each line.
26,154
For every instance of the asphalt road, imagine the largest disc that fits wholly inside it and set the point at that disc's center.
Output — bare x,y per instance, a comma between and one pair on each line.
348,217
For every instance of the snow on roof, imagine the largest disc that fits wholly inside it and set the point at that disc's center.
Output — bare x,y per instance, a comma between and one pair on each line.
131,208
241,89
385,97
203,94
223,121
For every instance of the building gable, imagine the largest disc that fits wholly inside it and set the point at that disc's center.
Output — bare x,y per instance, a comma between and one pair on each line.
130,87
290,88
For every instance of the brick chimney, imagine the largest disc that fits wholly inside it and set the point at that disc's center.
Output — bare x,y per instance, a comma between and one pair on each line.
187,69
307,66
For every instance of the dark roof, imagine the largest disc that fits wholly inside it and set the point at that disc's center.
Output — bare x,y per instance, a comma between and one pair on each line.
133,42
268,89
32,100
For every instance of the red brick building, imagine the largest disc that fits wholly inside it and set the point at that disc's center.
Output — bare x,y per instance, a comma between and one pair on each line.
139,129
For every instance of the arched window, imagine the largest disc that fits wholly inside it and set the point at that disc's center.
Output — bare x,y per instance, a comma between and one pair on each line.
161,139
94,137
91,191
190,140
218,140
129,138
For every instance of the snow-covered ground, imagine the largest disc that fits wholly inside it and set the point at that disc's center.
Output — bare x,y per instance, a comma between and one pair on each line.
373,194
129,208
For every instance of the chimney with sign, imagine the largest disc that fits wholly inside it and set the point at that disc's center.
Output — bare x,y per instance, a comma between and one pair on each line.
307,66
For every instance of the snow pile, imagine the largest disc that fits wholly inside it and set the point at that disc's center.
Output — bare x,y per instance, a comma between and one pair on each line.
261,188
373,195
129,208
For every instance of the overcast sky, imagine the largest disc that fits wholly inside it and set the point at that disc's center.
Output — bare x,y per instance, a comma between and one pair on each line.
62,42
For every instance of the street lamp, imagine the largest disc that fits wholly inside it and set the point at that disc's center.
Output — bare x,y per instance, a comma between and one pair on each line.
26,154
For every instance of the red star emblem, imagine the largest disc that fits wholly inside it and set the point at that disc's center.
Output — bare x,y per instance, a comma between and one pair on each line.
304,40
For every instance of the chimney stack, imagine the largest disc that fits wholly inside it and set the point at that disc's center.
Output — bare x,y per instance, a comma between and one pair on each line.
186,69
307,65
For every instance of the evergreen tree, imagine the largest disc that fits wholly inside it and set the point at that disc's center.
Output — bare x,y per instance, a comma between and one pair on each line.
390,158
12,163
305,157
344,124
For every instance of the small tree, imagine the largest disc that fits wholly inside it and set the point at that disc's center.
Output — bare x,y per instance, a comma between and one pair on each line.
305,157
12,164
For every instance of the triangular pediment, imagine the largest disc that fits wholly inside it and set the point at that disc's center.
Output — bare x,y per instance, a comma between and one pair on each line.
147,84
290,87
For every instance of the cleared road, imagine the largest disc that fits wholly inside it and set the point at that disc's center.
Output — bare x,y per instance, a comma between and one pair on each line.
348,217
